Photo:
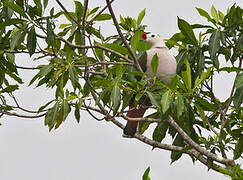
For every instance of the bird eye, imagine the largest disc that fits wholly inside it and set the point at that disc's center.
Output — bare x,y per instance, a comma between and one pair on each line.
153,35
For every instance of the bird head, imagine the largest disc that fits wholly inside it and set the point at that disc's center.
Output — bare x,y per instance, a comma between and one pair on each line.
154,40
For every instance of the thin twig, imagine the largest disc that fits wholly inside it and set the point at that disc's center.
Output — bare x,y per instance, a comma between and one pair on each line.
69,15
27,68
95,46
101,11
122,37
230,98
22,116
83,23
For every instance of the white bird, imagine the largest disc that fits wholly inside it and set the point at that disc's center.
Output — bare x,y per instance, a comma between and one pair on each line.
166,65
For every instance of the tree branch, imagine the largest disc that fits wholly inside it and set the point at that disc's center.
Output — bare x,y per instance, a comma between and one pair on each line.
168,147
159,145
69,15
101,11
21,116
122,37
198,147
83,23
230,98
95,46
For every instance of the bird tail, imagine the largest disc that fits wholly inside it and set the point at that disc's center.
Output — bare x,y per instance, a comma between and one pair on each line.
131,126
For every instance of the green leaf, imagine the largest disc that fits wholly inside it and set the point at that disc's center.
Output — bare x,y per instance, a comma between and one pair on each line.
65,109
214,45
10,89
154,99
180,58
64,25
99,53
78,37
9,65
230,69
175,155
180,105
221,15
50,33
93,11
214,14
15,40
187,31
238,148
135,40
77,112
39,7
205,14
51,116
31,41
45,70
44,106
10,22
15,77
140,17
116,47
238,97
173,83
146,174
186,76
155,64
202,78
15,7
20,3
115,98
239,81
102,17
120,69
63,113
73,76
205,105
45,2
160,131
33,79
202,114
78,10
166,101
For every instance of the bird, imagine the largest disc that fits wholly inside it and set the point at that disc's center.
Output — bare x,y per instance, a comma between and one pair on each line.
166,65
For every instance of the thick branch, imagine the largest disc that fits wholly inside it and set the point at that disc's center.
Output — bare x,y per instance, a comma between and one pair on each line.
198,147
152,143
140,119
169,147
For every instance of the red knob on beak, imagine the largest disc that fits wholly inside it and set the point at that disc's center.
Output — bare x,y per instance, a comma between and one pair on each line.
144,36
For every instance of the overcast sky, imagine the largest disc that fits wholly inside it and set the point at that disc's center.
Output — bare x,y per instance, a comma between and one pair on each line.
94,150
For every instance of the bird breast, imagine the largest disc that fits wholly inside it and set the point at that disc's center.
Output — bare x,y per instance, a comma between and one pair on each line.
167,63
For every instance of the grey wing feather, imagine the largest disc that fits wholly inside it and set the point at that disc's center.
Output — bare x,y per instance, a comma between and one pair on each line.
142,60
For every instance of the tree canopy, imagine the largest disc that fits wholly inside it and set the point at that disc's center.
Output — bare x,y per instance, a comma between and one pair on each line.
93,72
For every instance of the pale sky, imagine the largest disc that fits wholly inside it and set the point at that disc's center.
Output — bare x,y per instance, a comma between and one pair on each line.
94,150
